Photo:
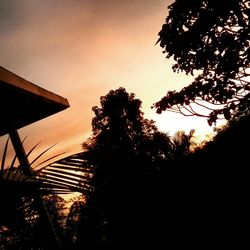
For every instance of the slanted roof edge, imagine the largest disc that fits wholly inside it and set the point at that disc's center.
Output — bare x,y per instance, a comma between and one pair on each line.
20,83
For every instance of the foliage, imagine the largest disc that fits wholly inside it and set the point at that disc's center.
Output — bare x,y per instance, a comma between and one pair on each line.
230,144
127,152
130,158
212,38
121,135
24,223
219,173
66,175
74,216
182,144
32,214
56,207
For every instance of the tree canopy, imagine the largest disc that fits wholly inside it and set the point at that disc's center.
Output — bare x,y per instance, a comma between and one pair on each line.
126,150
210,37
122,134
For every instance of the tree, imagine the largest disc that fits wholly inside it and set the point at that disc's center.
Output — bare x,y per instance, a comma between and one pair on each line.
134,181
213,38
221,186
56,207
126,150
182,144
121,134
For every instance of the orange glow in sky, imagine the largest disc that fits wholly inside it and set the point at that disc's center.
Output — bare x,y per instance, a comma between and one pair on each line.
83,49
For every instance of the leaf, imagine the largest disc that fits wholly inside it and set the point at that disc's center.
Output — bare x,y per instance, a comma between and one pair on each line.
42,154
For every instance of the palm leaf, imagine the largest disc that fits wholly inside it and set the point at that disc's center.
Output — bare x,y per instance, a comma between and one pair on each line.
49,159
32,149
42,154
70,173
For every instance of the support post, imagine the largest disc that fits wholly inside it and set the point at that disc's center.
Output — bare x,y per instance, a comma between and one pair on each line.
21,155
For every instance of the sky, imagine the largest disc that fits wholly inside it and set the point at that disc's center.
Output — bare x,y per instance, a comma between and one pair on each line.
82,49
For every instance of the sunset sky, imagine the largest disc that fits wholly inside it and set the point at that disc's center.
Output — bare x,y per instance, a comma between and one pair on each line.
81,49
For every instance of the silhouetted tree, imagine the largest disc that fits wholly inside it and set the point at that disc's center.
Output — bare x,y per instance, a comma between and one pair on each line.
136,180
210,37
121,135
182,144
75,217
220,174
24,227
56,207
127,150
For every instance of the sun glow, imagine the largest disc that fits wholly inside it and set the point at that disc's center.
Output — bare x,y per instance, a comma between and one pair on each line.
171,123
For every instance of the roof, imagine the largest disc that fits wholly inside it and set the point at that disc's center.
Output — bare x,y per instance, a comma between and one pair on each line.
23,103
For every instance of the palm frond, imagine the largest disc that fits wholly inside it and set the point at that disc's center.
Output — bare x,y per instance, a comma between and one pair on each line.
32,149
39,156
66,175
71,173
47,160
